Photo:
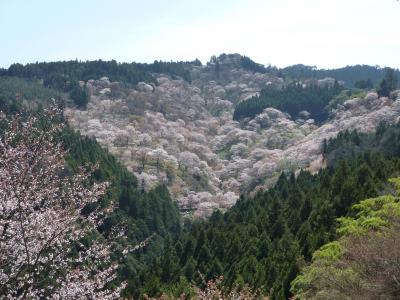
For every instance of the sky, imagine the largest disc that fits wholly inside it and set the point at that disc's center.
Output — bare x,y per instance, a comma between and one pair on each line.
322,33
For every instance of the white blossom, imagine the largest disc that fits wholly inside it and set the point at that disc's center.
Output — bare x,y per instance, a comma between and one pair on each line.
41,221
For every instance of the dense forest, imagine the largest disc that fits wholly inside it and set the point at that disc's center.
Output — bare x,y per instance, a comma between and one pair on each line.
15,91
265,241
262,242
351,75
357,76
238,61
362,262
65,76
145,213
292,99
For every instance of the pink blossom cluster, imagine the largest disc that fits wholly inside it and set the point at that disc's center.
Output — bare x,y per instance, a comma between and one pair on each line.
41,224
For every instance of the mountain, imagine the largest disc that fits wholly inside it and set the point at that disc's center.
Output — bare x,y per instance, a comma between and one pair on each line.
259,162
210,132
183,134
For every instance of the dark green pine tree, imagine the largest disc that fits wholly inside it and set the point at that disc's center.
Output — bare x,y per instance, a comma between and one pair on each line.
189,268
170,269
188,250
80,96
203,259
388,83
215,269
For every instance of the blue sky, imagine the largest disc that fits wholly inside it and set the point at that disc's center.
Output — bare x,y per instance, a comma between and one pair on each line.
280,32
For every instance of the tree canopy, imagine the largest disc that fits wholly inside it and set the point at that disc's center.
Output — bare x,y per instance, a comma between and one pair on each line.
292,99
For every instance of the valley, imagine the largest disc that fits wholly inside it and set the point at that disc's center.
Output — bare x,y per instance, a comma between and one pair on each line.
183,134
227,178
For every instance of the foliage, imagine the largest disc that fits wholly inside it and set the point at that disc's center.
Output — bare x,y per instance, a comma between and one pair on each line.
146,216
64,76
329,252
60,74
364,84
15,93
385,140
343,96
349,74
143,214
213,289
172,68
366,266
248,64
80,96
291,99
240,61
43,228
263,241
388,83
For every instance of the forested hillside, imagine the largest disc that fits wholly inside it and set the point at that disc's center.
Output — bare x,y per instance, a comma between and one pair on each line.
144,215
258,243
15,91
351,75
265,241
199,150
57,74
362,263
65,76
292,99
357,76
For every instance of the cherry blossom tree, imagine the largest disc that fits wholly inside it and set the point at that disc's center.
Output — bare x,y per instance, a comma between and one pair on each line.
42,227
142,155
214,289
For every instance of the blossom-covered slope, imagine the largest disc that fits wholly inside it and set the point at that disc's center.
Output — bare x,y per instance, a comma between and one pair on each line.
182,134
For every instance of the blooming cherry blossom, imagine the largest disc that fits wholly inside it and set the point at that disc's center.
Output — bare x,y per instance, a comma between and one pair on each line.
41,220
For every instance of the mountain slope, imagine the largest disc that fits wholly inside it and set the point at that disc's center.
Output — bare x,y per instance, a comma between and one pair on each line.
263,241
145,216
182,134
362,263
